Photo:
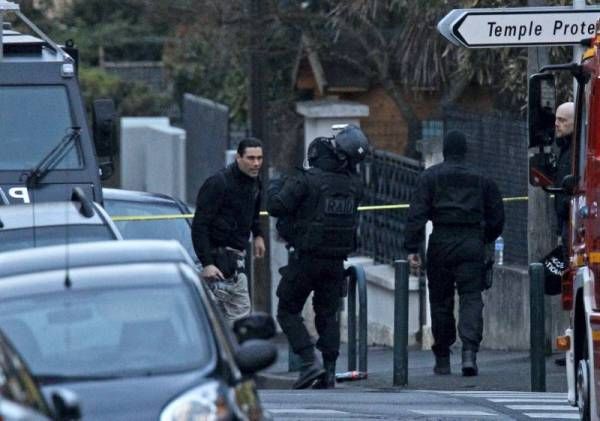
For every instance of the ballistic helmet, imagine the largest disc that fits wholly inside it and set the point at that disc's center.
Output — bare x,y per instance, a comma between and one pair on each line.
319,147
351,143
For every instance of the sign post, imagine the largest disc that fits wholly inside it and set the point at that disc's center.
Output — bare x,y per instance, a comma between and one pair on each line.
519,27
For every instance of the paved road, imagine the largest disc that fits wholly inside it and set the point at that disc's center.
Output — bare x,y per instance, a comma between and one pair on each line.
371,404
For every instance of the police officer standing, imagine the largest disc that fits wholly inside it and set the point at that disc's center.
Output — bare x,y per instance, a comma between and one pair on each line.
317,211
227,211
467,213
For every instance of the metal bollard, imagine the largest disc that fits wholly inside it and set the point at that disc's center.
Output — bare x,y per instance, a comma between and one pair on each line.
357,282
351,321
401,323
536,327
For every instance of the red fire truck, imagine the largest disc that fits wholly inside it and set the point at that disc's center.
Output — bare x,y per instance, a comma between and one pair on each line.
580,289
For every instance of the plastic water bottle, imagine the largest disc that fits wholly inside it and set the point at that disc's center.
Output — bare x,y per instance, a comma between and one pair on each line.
499,251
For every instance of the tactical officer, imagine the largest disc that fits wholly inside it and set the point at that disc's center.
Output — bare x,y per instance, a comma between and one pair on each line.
227,211
317,211
467,212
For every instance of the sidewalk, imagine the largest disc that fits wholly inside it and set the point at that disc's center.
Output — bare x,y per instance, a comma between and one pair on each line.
498,370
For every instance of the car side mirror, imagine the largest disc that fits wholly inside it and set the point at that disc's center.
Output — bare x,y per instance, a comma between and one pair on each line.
257,325
104,116
541,105
103,126
255,355
66,405
541,170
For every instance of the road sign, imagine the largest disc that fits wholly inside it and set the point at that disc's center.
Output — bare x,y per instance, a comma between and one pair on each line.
481,28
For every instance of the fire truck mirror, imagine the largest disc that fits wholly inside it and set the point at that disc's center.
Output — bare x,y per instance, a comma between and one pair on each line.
541,106
541,170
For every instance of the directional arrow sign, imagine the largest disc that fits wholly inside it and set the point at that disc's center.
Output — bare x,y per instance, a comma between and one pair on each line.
481,28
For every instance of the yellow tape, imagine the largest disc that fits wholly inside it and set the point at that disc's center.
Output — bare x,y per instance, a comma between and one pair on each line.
514,199
265,213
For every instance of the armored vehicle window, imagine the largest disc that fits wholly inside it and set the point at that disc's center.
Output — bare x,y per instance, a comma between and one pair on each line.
33,120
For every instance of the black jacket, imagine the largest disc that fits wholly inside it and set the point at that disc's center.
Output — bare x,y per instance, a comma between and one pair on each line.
563,168
453,194
227,210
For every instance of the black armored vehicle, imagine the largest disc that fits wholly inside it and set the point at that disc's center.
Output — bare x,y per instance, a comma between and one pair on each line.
47,148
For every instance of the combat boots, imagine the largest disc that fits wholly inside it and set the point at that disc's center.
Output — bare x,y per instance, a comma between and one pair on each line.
327,380
310,370
442,365
469,363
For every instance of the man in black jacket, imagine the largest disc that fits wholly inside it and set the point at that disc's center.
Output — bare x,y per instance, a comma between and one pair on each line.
563,131
467,213
227,211
318,216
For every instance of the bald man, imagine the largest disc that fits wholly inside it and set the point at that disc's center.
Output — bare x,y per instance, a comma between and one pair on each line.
563,132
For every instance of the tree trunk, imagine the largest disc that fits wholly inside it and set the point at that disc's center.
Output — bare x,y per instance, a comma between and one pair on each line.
409,115
540,235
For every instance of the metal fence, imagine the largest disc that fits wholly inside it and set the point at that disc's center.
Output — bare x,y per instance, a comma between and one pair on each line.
389,179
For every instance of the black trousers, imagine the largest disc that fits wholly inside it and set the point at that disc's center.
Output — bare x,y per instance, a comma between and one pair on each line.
324,277
455,262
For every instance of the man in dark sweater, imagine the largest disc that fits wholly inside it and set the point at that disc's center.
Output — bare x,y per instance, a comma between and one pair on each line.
227,212
563,131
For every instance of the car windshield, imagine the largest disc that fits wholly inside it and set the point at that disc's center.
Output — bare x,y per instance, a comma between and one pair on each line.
16,239
106,332
162,229
33,120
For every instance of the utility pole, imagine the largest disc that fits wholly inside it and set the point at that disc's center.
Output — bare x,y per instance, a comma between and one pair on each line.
540,210
261,279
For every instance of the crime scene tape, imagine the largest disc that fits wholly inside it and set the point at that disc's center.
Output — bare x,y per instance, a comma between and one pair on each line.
265,213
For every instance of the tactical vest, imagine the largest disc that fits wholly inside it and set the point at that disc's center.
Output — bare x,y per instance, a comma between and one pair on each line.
325,224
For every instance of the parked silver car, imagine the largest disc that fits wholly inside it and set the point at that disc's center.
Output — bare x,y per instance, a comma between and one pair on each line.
49,223
129,327
129,203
